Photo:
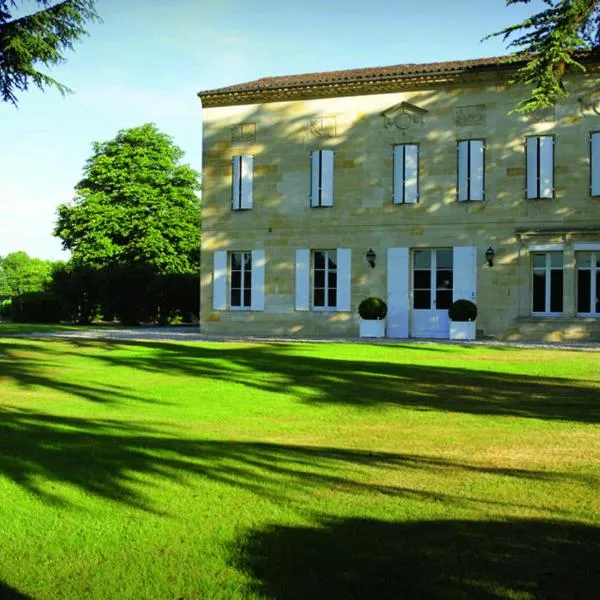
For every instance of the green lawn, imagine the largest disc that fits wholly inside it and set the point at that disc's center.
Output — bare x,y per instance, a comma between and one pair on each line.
191,471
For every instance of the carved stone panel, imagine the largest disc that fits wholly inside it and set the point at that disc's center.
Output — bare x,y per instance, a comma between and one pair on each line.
543,115
473,114
403,116
322,127
243,133
590,104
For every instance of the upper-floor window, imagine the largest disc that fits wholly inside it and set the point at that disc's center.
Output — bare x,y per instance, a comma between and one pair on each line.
595,163
470,169
540,166
321,178
242,182
406,174
547,283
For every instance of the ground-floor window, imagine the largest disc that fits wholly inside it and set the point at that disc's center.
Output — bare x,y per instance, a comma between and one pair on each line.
588,283
432,279
325,278
240,277
547,283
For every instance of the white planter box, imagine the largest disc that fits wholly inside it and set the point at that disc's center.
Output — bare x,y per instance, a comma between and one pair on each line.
462,330
372,329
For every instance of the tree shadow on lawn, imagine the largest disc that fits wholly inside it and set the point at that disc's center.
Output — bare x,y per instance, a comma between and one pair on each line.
9,593
364,558
278,368
34,365
108,458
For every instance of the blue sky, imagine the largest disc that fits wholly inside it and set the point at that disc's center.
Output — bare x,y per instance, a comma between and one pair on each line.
149,58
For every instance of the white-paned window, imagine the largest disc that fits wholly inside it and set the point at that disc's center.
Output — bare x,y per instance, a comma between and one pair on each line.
471,169
406,174
547,283
321,178
588,283
325,278
240,280
595,163
242,182
540,166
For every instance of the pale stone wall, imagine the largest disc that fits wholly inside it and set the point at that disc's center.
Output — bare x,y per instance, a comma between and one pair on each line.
281,135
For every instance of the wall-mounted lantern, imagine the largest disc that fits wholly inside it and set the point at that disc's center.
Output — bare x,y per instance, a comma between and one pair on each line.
489,256
371,256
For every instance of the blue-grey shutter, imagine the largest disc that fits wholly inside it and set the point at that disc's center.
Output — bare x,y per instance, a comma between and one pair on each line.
398,292
463,170
236,182
258,280
303,279
595,162
220,280
327,159
247,192
411,173
344,279
532,167
464,271
546,166
477,163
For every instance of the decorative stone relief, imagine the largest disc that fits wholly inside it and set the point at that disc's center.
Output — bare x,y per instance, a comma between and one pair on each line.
403,116
543,115
473,114
244,132
322,127
590,104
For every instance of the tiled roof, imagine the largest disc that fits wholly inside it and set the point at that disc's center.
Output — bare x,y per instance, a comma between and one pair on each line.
361,75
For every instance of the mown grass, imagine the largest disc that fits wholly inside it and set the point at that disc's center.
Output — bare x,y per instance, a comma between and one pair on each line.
173,470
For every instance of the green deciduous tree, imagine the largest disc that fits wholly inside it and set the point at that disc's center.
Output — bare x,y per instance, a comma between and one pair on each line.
135,218
549,42
135,205
21,273
39,38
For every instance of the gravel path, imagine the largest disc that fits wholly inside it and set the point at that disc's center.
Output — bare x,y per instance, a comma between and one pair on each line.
191,334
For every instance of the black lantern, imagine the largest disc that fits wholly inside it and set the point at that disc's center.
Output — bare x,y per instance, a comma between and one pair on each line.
371,256
489,256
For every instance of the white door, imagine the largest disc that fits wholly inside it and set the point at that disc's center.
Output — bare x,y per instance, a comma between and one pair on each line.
432,283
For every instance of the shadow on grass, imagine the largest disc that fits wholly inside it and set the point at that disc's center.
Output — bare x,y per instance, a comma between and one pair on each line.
362,558
109,459
278,368
9,593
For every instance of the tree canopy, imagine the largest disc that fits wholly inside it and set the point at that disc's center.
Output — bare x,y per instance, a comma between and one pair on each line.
136,205
21,273
551,41
39,38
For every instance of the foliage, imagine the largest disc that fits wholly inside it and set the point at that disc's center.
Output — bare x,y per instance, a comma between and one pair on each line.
27,40
462,311
549,42
36,307
247,470
372,309
135,206
21,273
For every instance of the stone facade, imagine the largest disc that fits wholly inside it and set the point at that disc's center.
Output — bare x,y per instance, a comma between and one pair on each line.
281,131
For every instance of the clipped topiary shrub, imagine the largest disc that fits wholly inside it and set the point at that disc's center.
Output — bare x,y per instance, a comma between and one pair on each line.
462,311
372,309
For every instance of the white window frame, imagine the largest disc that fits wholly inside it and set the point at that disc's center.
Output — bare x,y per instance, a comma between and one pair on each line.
326,288
243,288
595,163
548,281
242,182
594,288
469,168
321,178
536,167
405,173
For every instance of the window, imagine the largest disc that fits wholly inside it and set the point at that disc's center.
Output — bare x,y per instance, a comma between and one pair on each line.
321,178
242,184
540,167
547,283
240,279
470,170
595,163
325,279
406,174
588,283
